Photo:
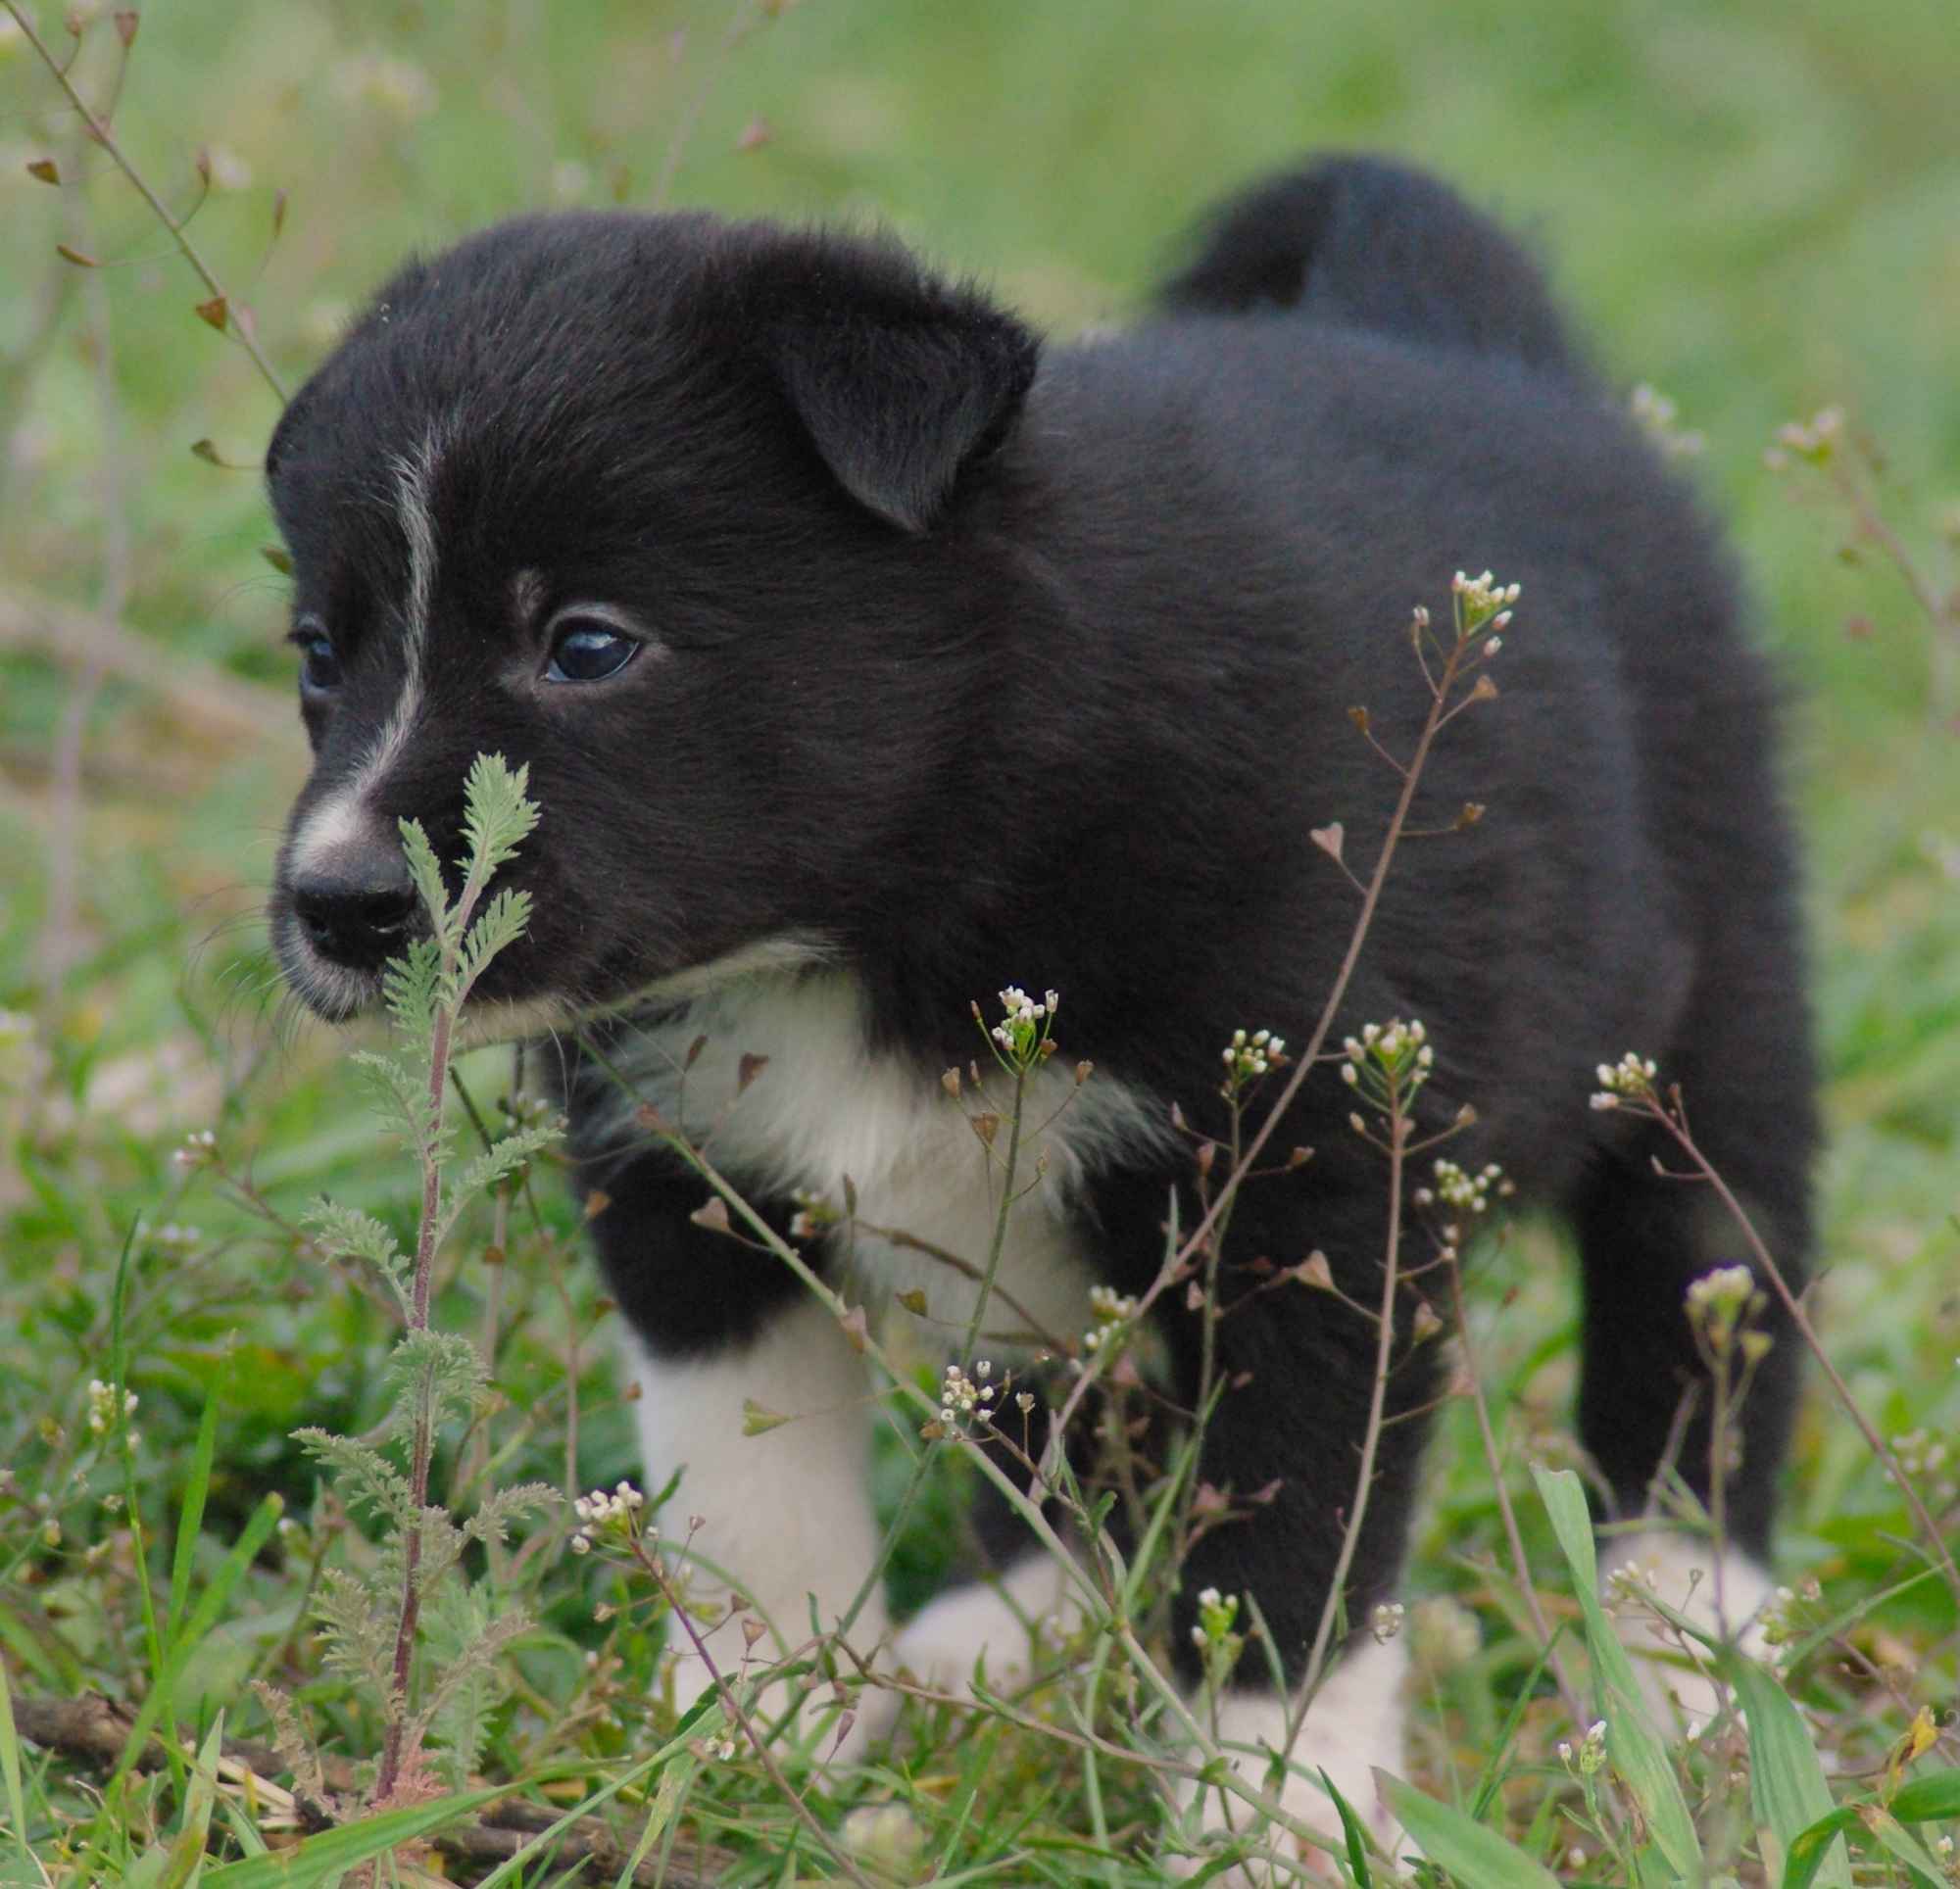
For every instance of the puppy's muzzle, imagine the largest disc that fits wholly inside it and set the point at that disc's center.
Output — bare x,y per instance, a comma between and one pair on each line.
358,912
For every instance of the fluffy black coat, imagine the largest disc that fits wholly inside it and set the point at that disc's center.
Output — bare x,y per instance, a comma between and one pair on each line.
979,661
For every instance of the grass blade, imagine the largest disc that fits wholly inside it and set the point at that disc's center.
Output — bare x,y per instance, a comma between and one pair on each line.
10,1767
190,1518
1477,1857
1351,1828
1892,1836
1932,1799
1637,1754
1787,1791
210,1605
188,1846
1809,1848
318,1859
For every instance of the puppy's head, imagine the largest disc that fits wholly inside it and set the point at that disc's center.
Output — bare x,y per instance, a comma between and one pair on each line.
699,520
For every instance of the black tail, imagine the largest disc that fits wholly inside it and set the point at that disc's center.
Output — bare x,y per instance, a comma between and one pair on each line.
1366,244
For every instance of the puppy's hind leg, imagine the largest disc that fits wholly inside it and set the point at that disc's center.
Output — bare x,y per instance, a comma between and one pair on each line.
1648,1395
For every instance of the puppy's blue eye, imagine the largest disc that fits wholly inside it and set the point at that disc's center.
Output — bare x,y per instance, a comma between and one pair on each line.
585,650
319,668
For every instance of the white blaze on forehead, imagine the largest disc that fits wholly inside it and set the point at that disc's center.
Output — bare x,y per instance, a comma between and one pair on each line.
414,475
344,822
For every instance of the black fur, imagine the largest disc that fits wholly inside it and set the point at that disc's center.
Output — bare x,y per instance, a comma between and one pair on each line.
987,665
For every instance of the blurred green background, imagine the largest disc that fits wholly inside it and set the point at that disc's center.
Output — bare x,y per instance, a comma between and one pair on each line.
1753,205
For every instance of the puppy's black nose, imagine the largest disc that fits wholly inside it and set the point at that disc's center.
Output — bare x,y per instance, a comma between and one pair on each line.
360,916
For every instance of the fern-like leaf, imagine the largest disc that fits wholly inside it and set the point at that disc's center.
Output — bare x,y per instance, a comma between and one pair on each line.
451,1368
501,1506
426,871
364,1477
485,1170
347,1234
466,1643
499,923
356,1632
497,817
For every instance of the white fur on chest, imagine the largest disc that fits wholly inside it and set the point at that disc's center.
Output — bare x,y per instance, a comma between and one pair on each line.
823,1107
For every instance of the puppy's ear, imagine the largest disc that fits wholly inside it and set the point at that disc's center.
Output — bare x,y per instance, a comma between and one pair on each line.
900,380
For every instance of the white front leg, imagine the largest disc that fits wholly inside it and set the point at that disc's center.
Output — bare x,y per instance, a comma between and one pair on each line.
786,1514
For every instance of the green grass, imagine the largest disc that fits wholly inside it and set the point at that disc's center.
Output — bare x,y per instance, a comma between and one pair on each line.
1750,205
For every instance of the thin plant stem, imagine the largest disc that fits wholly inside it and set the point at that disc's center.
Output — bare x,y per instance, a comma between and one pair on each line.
452,929
238,322
732,1705
1385,1341
1941,1553
1007,1206
1336,994
1029,1511
1455,663
1493,1457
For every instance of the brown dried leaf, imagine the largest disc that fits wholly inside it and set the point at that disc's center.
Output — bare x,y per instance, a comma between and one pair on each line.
747,1069
713,1213
856,1333
76,257
278,558
45,169
214,313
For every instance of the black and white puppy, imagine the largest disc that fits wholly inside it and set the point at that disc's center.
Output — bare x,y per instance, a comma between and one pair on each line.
868,655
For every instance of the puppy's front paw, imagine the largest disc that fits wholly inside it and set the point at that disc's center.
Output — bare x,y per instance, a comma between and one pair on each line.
1354,1726
988,1622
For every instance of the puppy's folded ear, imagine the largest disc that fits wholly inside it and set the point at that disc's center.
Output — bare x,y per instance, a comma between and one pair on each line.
901,381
